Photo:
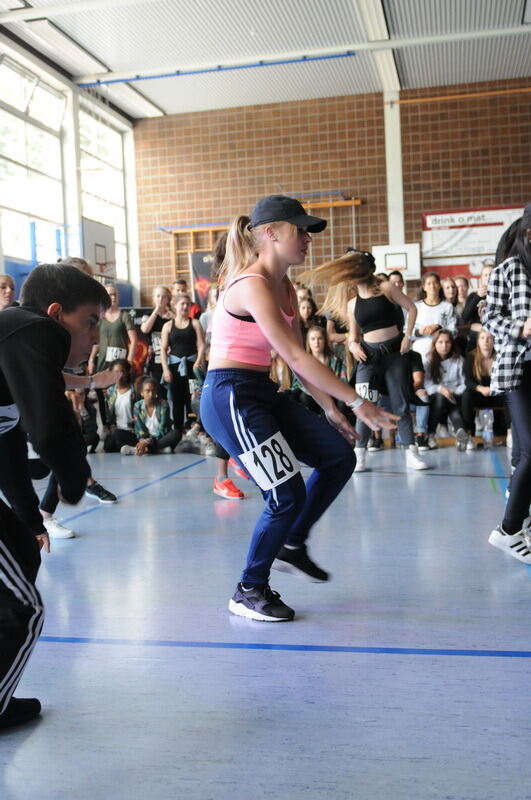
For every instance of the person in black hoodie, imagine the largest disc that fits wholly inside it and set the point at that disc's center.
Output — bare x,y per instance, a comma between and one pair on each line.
55,327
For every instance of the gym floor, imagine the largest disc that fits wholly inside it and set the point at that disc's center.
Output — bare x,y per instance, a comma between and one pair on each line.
407,676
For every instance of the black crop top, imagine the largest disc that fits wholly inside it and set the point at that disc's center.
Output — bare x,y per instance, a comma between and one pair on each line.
373,313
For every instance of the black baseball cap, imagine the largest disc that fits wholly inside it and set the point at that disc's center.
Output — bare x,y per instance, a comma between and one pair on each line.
279,208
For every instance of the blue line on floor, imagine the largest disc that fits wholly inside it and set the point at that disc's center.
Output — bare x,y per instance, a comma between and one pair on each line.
500,471
133,491
301,648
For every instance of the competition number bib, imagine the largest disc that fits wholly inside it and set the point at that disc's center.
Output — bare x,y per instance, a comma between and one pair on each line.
155,344
271,463
112,353
366,393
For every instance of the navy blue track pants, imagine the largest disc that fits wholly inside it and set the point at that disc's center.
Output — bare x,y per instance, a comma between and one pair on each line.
244,411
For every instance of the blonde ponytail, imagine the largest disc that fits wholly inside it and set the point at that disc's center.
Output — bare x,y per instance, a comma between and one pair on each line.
240,251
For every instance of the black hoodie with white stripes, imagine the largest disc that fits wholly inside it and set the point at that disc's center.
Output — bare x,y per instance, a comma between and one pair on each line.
33,351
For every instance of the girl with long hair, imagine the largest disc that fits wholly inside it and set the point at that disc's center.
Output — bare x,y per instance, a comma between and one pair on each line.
508,317
7,291
318,346
445,384
152,326
478,371
375,341
182,346
309,317
262,428
433,313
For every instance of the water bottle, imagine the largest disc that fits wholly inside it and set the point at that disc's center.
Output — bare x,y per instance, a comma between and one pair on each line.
486,418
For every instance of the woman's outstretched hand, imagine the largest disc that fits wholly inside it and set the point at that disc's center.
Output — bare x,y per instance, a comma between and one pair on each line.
338,421
104,378
375,417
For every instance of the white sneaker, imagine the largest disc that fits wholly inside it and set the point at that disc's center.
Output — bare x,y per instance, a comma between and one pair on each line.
517,545
432,442
461,439
165,451
413,460
471,445
56,530
361,456
127,450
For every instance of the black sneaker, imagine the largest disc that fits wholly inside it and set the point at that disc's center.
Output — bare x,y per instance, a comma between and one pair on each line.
297,562
99,493
19,711
260,603
422,441
375,444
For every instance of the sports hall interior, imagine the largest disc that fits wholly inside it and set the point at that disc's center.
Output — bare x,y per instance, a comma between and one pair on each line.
407,675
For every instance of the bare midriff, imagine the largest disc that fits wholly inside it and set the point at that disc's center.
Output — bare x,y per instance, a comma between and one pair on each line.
225,363
381,334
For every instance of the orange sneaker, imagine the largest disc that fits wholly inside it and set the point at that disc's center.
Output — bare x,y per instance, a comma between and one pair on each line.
238,470
227,489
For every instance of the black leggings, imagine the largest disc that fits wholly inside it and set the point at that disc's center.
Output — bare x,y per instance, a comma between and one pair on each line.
388,371
471,400
170,439
441,409
519,403
117,438
180,396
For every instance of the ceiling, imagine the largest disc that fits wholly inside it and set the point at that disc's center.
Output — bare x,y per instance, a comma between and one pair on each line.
249,52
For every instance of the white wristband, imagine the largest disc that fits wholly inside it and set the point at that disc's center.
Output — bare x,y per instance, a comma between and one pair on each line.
356,403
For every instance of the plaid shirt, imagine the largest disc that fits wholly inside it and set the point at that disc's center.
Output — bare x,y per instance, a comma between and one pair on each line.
508,306
140,418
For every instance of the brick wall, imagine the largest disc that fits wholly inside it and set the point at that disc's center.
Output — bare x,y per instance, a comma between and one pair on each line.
207,167
465,153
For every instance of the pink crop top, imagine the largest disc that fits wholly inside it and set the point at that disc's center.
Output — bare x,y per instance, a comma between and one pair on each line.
238,338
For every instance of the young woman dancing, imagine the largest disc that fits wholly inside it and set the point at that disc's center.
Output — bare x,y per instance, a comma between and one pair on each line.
375,342
263,429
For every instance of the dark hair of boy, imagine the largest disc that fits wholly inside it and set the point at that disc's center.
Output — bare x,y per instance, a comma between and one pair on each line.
64,284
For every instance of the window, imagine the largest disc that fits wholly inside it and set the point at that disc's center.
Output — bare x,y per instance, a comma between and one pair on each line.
24,91
102,180
31,178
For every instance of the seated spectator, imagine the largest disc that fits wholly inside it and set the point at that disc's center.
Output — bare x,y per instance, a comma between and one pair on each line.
280,372
151,417
478,369
303,292
449,290
421,407
7,291
463,287
120,399
445,384
308,317
433,314
474,302
318,346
